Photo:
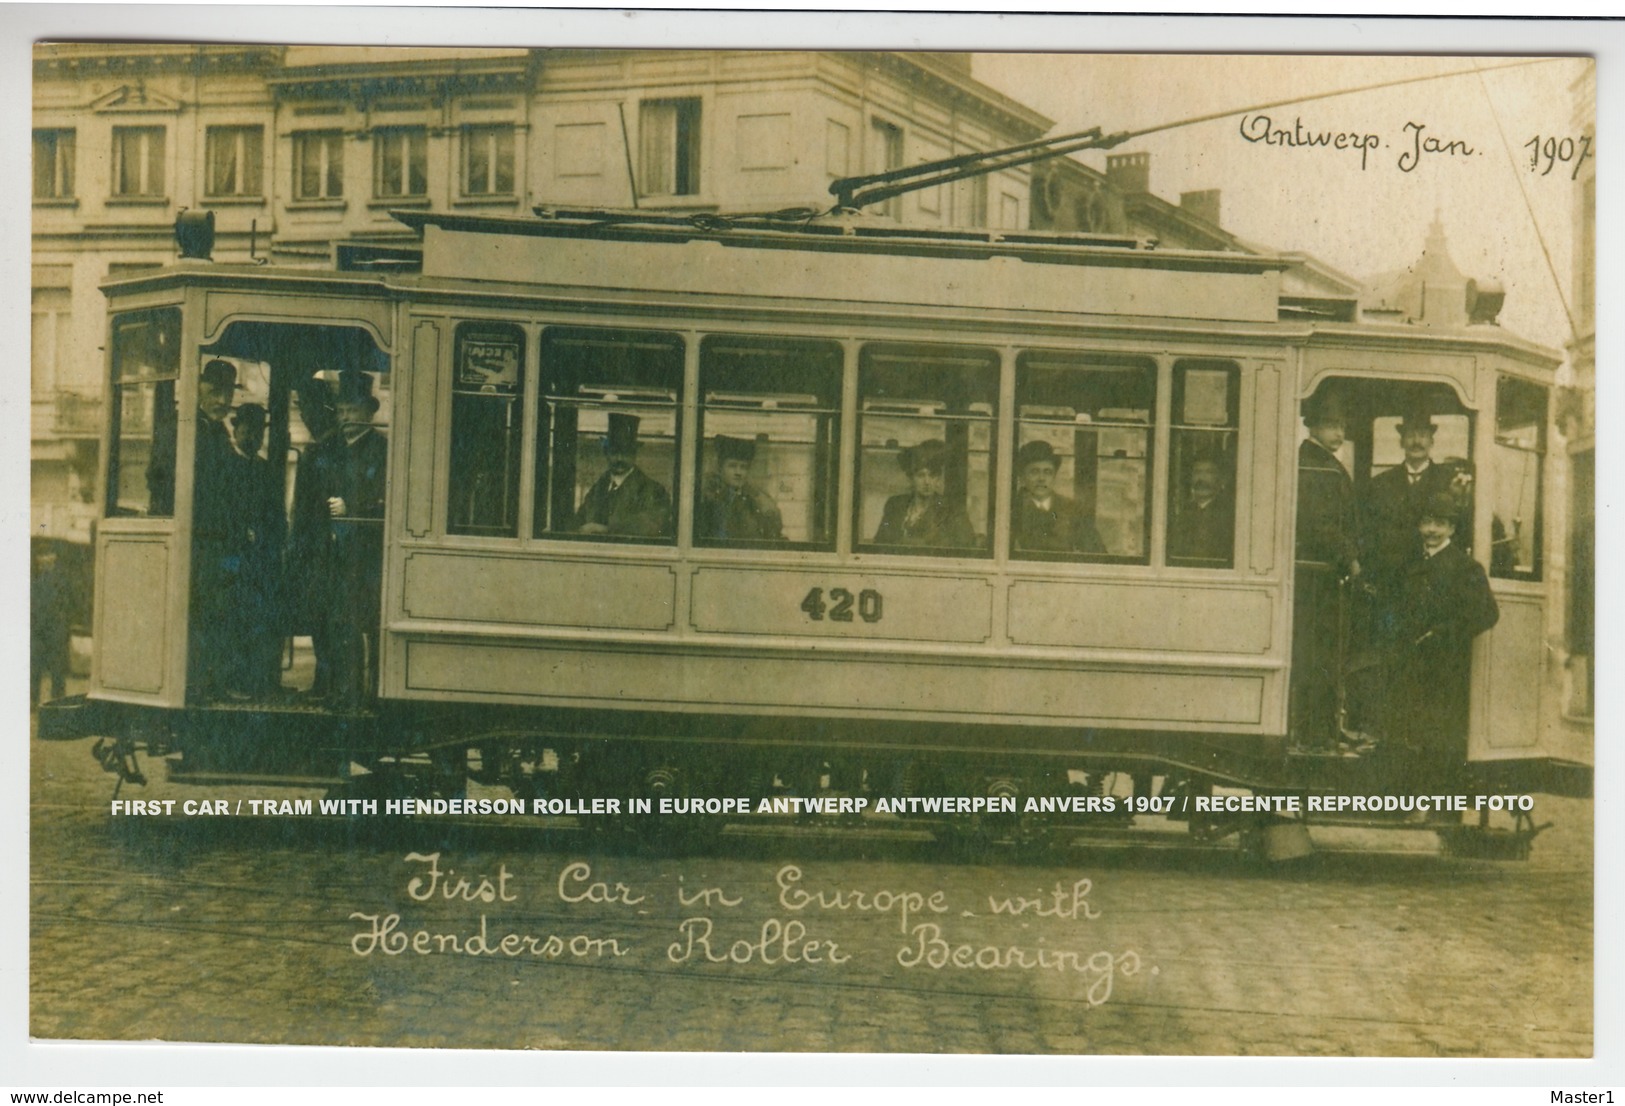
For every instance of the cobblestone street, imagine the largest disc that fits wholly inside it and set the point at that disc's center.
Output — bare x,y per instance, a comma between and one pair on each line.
306,931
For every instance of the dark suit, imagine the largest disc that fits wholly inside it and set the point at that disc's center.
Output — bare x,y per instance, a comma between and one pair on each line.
1327,545
256,610
942,525
744,514
359,477
639,508
1389,515
1445,602
1061,529
219,544
1204,534
309,564
1327,529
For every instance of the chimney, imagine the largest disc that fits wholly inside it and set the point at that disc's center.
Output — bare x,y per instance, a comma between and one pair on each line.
1128,173
1204,205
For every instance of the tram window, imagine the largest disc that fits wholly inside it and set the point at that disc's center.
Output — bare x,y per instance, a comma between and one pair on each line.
1202,464
926,418
1083,457
607,463
769,416
486,420
1514,487
141,462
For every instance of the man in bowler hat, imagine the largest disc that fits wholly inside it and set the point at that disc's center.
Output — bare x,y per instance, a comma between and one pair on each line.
733,507
1444,602
1393,500
624,501
1044,520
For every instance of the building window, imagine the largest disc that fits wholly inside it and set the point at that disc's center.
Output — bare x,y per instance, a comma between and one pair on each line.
486,420
235,157
400,162
769,414
53,165
52,318
1083,458
488,161
670,135
1202,469
606,461
888,143
926,418
138,161
318,165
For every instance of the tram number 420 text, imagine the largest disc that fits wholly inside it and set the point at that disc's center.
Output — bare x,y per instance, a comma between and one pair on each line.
842,604
1550,152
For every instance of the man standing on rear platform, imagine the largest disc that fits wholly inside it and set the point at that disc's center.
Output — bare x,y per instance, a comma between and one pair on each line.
1444,602
219,537
356,504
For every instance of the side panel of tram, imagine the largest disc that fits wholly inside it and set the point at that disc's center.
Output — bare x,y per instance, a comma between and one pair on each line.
1131,638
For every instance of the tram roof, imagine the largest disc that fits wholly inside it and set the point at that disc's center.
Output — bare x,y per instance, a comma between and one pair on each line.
850,260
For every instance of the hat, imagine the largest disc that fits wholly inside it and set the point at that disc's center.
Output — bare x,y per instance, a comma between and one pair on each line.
250,414
219,374
1324,407
728,449
623,434
1417,418
356,387
931,454
1033,452
1442,505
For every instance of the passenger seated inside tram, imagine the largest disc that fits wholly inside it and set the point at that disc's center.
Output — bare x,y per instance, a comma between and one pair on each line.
733,508
1203,528
925,516
624,501
1044,520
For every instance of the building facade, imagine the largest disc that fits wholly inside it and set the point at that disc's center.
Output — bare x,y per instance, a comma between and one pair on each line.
294,149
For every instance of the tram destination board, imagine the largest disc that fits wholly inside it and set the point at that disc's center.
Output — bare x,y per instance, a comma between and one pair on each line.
713,551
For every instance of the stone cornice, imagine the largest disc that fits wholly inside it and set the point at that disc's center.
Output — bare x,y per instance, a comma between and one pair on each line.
957,87
118,59
365,83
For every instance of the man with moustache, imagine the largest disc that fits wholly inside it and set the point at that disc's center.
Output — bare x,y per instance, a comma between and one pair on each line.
624,502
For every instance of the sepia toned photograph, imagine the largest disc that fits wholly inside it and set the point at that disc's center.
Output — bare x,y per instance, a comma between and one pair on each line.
697,549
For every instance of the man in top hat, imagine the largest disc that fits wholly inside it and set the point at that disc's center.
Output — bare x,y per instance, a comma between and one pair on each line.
1202,532
1444,602
733,508
1045,521
355,489
924,516
219,536
1327,553
1393,501
624,501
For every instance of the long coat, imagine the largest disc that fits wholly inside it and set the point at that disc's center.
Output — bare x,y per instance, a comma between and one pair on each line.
748,514
639,508
943,525
1445,602
1062,529
1328,531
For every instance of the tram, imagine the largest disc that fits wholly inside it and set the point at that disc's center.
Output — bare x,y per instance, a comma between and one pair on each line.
520,643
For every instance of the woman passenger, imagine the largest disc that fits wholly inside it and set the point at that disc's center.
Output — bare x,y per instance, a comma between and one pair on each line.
925,516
